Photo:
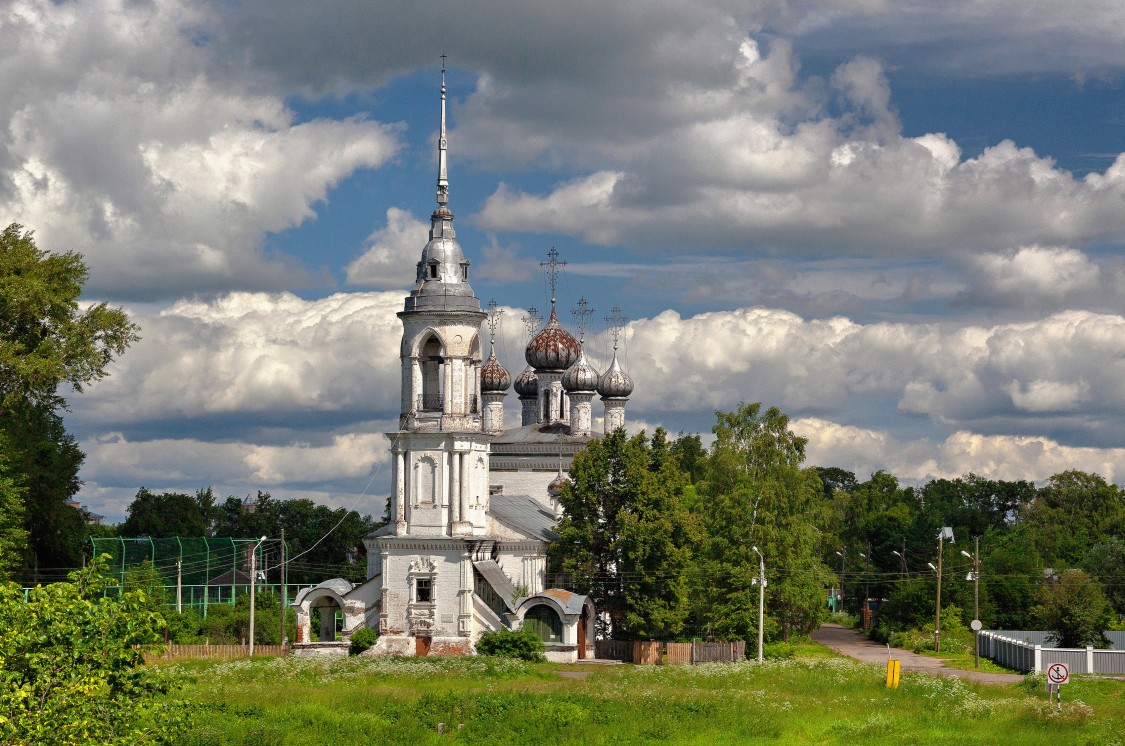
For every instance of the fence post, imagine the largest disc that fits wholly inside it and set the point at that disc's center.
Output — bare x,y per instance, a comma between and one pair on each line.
1038,659
1090,659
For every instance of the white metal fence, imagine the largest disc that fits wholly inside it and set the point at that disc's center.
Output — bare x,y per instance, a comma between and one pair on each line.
1026,656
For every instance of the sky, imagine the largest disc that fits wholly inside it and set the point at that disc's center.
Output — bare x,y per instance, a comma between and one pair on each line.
899,222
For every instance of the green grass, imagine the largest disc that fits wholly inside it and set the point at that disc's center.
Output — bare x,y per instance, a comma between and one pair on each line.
803,700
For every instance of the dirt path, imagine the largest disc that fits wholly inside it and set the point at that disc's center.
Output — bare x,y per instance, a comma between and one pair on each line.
854,645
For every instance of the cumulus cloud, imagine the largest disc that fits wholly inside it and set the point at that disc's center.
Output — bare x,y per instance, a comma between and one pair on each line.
392,252
1043,278
1007,375
124,144
274,355
865,450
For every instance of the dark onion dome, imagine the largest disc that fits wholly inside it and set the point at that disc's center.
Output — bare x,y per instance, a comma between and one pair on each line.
553,349
527,385
554,489
493,377
615,383
581,376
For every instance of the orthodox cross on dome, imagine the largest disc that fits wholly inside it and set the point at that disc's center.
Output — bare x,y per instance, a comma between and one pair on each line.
553,266
493,320
616,321
581,312
531,321
443,166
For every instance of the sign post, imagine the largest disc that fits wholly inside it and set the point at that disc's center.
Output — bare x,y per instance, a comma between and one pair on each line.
1057,675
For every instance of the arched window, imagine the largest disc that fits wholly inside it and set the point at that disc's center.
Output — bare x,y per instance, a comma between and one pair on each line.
433,374
544,622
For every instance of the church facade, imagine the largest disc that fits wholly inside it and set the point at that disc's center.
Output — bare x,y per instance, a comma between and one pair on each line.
473,505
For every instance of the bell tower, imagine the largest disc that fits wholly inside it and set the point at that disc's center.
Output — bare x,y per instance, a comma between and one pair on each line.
440,452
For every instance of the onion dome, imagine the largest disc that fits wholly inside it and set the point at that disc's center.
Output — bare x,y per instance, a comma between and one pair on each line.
493,377
615,383
554,489
581,376
553,349
527,385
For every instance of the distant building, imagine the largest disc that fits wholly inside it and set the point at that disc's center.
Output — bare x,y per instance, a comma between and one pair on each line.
93,519
473,506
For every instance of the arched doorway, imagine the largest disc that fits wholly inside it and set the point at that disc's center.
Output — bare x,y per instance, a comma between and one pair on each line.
545,622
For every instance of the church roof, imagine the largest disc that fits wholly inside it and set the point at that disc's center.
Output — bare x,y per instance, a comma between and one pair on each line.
524,514
498,580
538,433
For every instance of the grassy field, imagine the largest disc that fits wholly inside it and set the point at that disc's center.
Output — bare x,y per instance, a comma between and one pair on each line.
817,700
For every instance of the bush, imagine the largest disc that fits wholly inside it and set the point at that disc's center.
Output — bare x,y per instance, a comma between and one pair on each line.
73,671
505,643
362,639
775,651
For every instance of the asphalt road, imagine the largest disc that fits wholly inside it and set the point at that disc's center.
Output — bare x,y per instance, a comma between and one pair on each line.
854,645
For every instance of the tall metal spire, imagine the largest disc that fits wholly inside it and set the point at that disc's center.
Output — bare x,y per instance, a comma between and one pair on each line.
581,313
616,321
553,265
443,165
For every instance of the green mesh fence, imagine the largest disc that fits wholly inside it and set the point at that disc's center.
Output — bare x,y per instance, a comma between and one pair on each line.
197,571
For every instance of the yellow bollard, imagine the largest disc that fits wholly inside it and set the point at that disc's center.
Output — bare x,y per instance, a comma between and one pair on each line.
894,668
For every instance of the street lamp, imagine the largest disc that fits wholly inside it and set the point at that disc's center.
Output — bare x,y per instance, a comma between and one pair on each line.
253,583
902,560
761,600
975,577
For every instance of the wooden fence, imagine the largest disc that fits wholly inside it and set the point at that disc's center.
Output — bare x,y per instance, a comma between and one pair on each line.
655,653
175,652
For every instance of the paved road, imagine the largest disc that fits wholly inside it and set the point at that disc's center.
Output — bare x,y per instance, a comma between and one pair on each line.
854,645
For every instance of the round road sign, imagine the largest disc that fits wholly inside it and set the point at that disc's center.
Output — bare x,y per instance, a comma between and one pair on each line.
1058,673
975,625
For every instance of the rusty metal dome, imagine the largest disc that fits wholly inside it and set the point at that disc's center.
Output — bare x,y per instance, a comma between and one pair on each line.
554,489
527,385
581,376
553,349
493,377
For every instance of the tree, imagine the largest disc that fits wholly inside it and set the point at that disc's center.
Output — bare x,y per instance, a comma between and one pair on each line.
1074,610
1106,562
47,340
625,537
1073,512
13,535
757,494
72,671
170,514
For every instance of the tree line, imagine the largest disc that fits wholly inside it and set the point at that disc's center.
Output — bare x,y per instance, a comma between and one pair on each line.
665,536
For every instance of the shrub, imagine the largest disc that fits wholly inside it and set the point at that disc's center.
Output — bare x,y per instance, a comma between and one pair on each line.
362,639
505,643
775,651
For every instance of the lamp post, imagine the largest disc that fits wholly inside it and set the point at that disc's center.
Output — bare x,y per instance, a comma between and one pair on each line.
975,557
253,583
843,557
761,600
945,532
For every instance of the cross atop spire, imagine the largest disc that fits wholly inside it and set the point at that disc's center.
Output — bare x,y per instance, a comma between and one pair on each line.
581,312
531,321
493,320
616,321
443,167
553,266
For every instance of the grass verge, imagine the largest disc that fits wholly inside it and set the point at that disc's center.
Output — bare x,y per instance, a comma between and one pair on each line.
801,700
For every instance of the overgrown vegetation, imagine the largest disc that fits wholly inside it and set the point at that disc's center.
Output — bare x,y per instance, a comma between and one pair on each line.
503,701
362,639
71,671
521,644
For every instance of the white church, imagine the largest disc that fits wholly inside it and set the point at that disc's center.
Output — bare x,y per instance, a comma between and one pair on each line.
473,505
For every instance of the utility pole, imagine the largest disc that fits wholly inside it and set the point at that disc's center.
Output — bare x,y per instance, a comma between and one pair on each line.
761,601
281,577
843,557
179,586
937,617
253,582
975,557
